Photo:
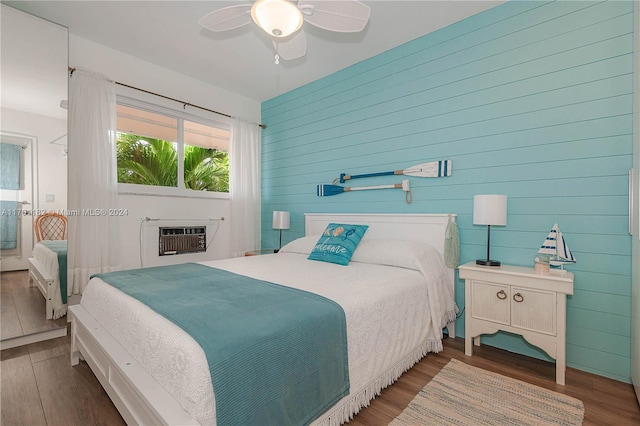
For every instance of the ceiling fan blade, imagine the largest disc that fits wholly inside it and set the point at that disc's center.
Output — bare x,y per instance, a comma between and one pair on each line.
227,18
291,47
345,16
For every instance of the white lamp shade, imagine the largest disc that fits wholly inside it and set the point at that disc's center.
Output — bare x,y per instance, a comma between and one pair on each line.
490,210
281,220
278,18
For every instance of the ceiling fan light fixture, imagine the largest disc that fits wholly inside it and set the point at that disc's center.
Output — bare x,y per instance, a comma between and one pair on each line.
278,18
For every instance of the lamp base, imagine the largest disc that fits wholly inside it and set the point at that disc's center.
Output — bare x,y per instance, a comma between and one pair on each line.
487,262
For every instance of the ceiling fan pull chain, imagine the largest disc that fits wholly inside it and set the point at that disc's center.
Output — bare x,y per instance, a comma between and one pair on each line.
277,57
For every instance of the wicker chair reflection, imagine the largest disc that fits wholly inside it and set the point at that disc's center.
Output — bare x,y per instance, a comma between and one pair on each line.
50,226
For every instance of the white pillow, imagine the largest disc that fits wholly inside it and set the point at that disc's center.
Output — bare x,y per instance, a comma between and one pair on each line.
400,253
303,245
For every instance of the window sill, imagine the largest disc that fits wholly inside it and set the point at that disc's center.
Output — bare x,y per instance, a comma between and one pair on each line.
164,191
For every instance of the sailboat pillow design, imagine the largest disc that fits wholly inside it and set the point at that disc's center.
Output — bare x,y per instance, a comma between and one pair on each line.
556,248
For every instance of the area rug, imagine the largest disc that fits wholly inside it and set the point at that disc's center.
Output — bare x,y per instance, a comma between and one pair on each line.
464,395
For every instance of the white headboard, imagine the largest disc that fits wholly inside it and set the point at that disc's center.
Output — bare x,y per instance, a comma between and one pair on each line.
429,228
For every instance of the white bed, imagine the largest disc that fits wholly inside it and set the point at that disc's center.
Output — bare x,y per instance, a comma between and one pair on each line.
390,326
44,271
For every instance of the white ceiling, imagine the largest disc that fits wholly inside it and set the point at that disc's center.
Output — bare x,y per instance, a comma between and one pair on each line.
34,76
167,33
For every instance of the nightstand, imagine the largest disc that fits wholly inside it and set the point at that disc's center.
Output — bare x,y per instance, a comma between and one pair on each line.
518,300
259,252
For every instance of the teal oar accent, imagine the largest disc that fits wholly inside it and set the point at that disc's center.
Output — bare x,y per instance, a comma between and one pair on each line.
439,168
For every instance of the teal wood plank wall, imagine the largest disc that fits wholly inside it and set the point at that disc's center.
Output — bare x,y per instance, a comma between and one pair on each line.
528,99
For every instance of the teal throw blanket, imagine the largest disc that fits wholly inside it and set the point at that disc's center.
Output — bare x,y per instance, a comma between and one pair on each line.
60,247
277,355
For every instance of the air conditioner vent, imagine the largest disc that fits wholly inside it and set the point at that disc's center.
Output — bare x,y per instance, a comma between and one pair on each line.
182,239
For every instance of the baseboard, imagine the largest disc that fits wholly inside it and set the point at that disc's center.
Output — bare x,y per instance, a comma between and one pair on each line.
33,338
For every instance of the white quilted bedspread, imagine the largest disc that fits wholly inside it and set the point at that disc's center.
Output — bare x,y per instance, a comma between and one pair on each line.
387,310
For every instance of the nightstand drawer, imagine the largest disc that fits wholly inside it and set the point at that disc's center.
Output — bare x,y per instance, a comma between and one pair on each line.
490,302
533,310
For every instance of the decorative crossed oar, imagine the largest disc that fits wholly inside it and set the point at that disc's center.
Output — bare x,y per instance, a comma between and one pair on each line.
439,168
327,190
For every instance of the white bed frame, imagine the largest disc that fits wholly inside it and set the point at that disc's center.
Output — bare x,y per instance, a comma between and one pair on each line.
44,281
137,395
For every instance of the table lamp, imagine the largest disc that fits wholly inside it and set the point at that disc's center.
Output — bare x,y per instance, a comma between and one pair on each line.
489,210
281,221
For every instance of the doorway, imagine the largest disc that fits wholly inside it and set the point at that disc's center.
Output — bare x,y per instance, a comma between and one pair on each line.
16,201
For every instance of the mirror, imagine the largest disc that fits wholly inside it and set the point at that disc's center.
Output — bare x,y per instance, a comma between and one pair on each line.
33,129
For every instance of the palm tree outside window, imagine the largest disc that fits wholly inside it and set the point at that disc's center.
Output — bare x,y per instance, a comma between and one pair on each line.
156,149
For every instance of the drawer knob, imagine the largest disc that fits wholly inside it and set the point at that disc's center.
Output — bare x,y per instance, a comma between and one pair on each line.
518,297
501,295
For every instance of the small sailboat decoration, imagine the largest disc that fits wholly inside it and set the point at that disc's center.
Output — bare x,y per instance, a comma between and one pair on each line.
556,248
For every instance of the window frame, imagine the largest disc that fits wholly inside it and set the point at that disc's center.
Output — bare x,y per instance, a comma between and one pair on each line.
180,116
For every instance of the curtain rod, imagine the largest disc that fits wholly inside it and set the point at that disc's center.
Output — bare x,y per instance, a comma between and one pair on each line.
184,104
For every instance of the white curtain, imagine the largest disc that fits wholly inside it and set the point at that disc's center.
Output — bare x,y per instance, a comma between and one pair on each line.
93,180
244,186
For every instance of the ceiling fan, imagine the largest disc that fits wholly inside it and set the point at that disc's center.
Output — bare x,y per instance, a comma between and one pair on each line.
282,20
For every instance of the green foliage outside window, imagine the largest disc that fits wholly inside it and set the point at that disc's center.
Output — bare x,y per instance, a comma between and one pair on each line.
148,161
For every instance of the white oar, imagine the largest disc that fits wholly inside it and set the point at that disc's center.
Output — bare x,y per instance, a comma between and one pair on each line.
327,190
439,168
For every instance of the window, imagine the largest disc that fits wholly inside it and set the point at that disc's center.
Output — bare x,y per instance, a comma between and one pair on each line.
160,148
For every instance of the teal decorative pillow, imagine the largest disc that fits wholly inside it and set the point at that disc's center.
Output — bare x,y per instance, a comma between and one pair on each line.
337,243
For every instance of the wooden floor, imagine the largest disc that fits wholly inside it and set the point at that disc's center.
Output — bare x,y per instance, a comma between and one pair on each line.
606,401
23,308
39,387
